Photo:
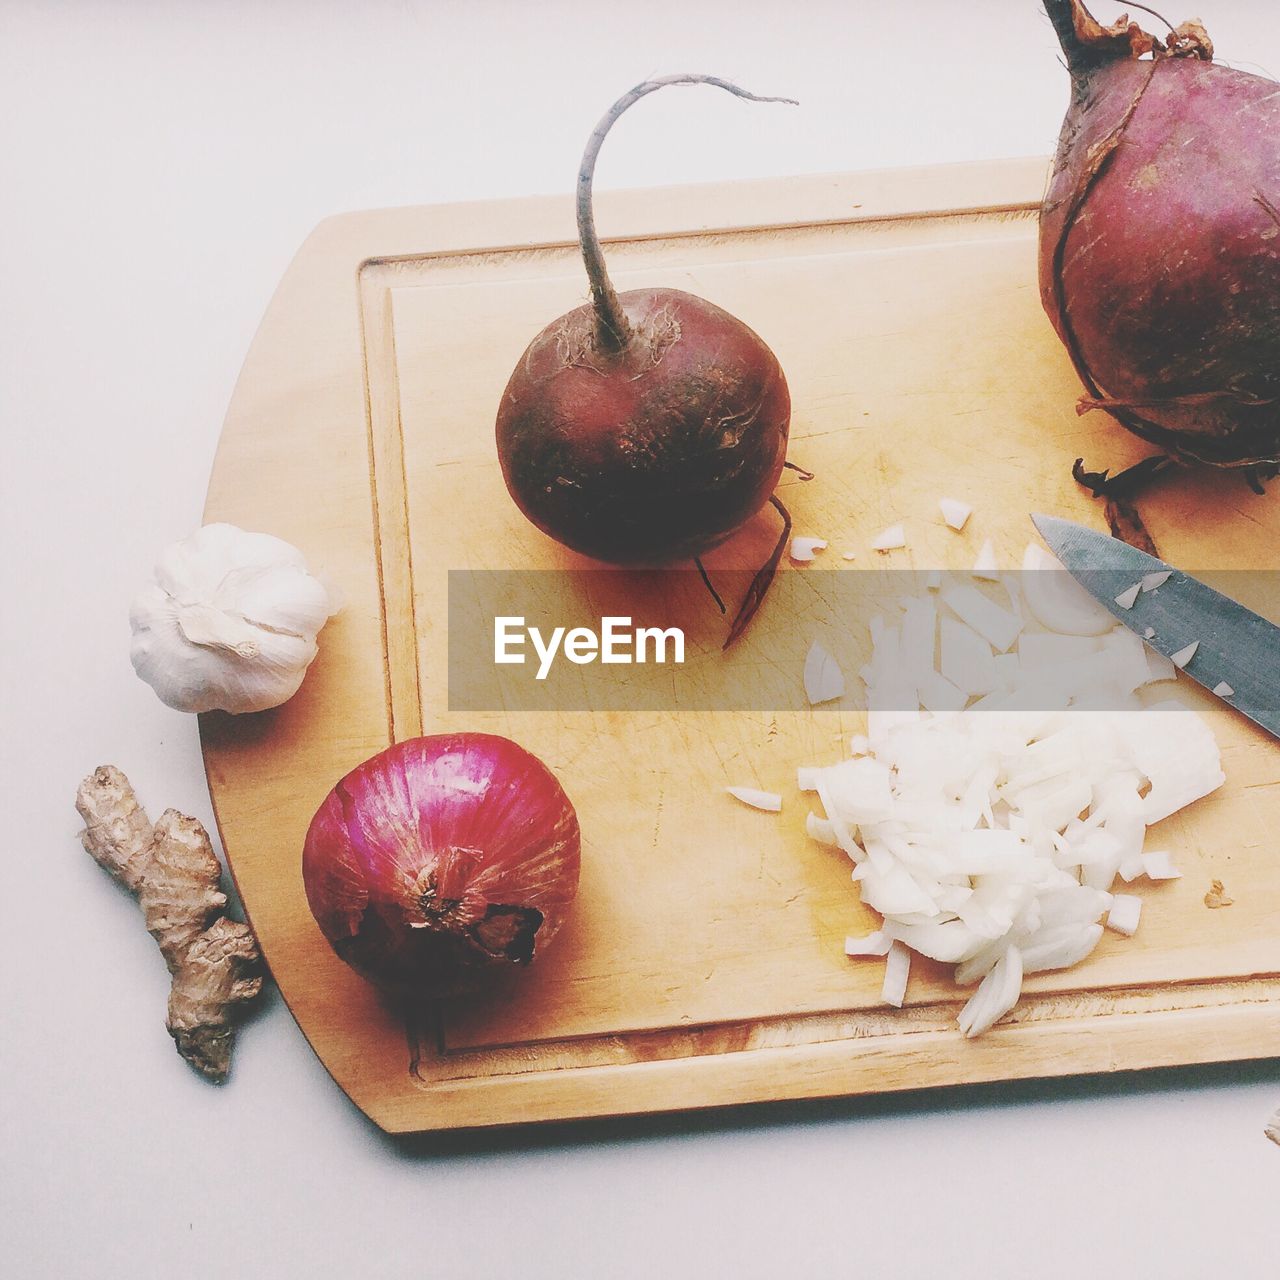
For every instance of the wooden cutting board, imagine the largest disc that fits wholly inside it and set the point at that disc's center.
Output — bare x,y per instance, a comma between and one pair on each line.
703,965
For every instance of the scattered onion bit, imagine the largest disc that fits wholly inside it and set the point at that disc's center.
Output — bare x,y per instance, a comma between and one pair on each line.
890,539
848,555
1159,866
803,549
1183,656
996,995
985,565
820,829
1127,597
1224,690
1056,600
955,513
1126,910
1149,633
1150,581
1132,868
874,944
897,968
823,679
767,801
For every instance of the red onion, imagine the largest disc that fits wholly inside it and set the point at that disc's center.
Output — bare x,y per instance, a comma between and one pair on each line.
441,857
646,427
1160,239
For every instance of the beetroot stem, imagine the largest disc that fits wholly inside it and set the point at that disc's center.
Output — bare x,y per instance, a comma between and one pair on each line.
1078,56
612,329
1083,55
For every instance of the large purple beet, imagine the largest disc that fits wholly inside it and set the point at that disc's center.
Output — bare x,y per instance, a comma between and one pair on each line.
1160,239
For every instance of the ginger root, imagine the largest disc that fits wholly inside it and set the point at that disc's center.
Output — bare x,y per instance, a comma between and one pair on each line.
172,870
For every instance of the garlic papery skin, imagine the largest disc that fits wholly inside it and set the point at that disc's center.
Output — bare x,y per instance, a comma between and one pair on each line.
230,622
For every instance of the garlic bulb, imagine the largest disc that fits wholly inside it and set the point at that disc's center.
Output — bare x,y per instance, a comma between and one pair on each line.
230,623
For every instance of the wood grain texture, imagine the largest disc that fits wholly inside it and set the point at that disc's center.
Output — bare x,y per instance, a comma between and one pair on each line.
703,964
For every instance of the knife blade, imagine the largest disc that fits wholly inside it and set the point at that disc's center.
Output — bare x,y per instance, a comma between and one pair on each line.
1236,646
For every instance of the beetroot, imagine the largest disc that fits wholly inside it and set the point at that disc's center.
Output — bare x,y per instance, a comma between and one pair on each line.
1160,240
645,427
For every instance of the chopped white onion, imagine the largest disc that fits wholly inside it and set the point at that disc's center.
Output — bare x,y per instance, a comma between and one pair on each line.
848,555
821,829
1060,948
823,679
897,967
1184,655
1160,666
987,618
1132,868
1150,633
954,512
769,801
1128,596
1159,866
874,944
1126,909
985,565
1150,581
996,995
991,842
1224,690
889,539
967,660
1056,600
803,549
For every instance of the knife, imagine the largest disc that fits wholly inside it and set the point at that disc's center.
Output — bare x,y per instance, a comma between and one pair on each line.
1236,646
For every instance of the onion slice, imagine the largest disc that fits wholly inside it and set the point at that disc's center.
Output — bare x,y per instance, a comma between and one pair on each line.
1126,910
985,565
803,549
890,539
1159,866
766,801
897,968
1057,600
996,995
823,679
873,944
954,512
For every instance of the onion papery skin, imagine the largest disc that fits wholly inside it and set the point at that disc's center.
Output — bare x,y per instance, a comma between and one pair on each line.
1160,248
441,858
653,453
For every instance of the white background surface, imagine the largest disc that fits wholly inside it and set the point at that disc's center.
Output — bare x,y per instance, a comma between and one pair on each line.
161,164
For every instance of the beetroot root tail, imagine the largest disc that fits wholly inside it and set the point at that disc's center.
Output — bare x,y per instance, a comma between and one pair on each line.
759,587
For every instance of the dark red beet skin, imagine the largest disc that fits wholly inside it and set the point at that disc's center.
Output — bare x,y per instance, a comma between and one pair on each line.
1160,240
654,453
